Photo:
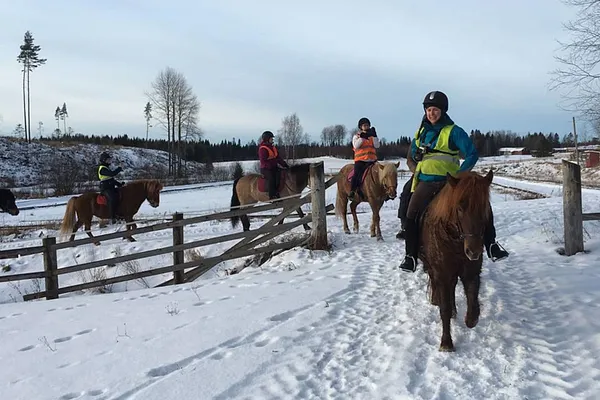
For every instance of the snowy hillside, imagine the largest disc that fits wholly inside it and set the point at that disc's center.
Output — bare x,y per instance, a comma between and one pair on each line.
25,164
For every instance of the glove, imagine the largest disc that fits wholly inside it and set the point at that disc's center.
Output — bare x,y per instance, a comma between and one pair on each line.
372,132
364,135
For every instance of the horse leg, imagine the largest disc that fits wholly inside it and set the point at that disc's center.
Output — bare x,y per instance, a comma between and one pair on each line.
446,298
130,226
245,222
78,225
353,206
342,205
375,228
88,230
471,285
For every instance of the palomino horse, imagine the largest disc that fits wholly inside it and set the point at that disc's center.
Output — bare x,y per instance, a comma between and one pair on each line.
452,246
252,188
92,204
379,184
7,202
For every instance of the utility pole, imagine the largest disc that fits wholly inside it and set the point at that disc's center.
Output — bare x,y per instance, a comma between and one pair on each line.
575,137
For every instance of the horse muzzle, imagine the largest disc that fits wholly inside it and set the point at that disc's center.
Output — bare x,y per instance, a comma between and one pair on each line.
153,204
13,211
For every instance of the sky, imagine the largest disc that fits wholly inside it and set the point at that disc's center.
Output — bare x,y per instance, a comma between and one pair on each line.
251,63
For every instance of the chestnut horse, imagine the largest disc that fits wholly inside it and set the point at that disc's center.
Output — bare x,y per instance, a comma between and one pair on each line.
380,184
452,246
86,206
246,190
7,202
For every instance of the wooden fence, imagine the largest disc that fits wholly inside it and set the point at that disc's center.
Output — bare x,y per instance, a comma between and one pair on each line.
188,271
572,208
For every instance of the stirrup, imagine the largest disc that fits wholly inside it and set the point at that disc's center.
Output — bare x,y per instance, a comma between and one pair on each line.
414,267
494,259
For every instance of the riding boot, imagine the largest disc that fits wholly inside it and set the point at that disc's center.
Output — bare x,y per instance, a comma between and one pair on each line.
402,233
411,242
494,250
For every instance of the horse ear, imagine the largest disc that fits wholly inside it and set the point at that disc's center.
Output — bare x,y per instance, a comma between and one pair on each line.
489,176
452,180
381,166
397,164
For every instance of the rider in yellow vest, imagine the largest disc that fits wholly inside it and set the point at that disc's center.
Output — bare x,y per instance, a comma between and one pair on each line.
436,149
364,143
108,184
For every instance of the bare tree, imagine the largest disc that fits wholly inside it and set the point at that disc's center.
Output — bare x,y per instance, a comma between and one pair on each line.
291,133
29,57
578,79
176,107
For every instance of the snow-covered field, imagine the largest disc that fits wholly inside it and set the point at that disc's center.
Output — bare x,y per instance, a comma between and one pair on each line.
311,325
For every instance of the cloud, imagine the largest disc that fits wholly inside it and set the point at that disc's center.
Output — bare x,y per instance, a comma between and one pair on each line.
252,63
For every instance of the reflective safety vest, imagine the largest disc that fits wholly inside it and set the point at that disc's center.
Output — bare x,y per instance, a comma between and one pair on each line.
440,159
366,151
271,151
103,177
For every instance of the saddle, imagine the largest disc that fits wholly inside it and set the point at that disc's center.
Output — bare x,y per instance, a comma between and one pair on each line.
263,185
362,179
103,201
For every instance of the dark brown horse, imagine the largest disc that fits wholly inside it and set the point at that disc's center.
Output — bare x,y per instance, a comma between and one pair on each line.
251,188
380,184
88,205
7,202
452,246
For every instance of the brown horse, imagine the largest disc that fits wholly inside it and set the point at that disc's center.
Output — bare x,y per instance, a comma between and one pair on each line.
7,202
452,246
247,191
380,184
86,206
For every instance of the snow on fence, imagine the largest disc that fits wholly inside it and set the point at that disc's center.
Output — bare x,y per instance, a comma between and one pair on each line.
572,209
317,240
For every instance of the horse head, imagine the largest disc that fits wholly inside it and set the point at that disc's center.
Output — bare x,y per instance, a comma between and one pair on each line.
8,203
153,188
465,204
388,178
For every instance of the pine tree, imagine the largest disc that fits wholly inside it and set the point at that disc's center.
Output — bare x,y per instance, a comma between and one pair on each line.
148,116
63,115
29,57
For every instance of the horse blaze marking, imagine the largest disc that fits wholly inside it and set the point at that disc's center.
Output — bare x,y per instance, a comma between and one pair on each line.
101,199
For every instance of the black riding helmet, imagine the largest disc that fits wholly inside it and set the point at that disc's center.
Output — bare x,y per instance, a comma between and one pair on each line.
104,157
363,120
266,135
436,99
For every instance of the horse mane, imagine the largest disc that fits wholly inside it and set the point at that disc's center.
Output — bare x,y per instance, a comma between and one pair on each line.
149,185
301,173
388,169
471,192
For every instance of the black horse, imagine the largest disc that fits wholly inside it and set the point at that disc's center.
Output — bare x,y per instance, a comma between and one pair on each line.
7,202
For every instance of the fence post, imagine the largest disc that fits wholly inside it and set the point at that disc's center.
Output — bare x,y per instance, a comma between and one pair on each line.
178,255
572,208
50,266
319,212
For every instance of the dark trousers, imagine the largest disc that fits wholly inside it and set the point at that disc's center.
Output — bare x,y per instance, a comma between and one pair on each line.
359,169
112,197
404,200
273,180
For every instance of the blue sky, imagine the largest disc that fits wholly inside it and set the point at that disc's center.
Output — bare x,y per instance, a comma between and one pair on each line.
253,62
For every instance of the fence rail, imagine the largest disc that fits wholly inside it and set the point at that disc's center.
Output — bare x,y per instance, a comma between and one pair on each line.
252,242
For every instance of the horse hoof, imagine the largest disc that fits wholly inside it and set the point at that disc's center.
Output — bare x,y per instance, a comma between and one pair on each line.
97,243
380,238
447,348
471,322
347,231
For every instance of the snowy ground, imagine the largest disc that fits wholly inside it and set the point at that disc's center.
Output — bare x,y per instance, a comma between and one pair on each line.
313,325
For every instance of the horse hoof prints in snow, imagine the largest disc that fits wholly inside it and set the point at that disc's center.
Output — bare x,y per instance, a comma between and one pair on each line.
87,205
452,246
379,183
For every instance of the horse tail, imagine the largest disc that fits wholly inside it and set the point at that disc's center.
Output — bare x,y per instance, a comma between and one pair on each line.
235,202
68,221
340,204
